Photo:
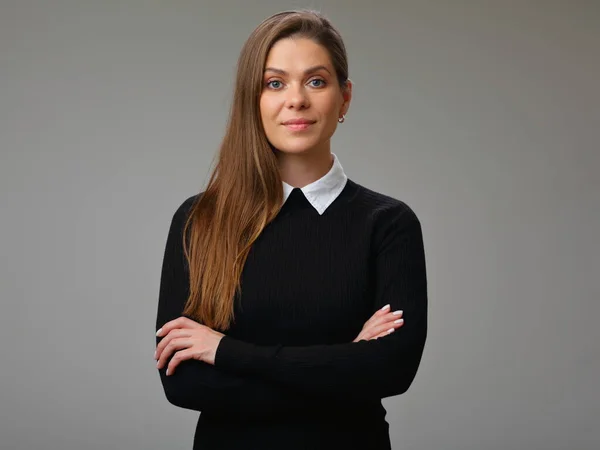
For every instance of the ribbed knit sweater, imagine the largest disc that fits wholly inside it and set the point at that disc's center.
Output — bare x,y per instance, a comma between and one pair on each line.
287,374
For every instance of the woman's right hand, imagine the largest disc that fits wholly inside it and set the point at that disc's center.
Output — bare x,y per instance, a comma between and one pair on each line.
380,324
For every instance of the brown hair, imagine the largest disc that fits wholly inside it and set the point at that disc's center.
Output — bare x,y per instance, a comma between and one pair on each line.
244,192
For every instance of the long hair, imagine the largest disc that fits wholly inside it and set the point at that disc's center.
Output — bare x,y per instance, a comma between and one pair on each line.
244,192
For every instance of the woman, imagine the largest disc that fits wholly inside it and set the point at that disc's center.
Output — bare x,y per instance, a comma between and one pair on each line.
280,313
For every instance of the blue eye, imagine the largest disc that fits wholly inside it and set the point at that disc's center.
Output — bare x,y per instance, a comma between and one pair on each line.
318,80
270,84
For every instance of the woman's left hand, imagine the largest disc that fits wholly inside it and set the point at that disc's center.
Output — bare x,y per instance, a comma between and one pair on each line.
189,339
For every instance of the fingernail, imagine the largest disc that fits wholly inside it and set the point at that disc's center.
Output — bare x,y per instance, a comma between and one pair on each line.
397,313
155,355
167,372
399,321
159,331
157,364
391,330
385,307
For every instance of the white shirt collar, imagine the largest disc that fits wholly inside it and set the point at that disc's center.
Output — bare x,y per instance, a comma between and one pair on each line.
325,190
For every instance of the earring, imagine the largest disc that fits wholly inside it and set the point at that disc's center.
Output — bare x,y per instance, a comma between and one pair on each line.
341,119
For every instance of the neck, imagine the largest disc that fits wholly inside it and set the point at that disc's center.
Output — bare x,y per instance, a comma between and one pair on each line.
299,170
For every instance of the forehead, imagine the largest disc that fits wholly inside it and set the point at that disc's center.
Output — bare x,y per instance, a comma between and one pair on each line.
296,54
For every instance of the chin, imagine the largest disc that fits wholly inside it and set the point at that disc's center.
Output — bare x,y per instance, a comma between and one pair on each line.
295,147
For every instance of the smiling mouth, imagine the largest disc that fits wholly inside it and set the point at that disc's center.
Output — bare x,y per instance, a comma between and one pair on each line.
298,126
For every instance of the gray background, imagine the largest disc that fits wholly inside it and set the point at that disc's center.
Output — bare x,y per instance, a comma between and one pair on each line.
481,115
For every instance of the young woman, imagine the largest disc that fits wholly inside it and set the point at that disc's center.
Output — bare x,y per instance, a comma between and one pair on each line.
285,284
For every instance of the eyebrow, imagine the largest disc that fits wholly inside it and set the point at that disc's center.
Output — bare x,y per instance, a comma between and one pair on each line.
306,72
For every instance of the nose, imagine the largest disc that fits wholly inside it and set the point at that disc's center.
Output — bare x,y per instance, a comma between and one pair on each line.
297,97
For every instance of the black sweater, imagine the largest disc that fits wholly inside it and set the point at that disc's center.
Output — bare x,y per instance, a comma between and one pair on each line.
287,374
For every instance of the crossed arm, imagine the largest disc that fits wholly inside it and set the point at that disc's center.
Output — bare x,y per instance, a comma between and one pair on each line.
253,379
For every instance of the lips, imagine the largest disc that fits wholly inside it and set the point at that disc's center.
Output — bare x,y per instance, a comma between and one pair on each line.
298,122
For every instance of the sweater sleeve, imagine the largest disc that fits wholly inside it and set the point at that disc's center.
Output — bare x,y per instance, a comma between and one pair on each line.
366,369
200,386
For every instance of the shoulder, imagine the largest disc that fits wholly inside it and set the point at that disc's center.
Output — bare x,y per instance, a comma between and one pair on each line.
181,213
184,208
382,208
394,224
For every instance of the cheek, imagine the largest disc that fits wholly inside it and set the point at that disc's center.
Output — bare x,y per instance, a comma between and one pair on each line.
330,107
331,113
268,115
268,108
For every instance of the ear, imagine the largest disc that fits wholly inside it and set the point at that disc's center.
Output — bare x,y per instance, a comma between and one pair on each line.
347,96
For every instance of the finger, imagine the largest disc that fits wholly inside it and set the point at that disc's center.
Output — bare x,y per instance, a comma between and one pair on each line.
179,357
360,337
173,346
383,311
385,333
376,330
379,331
176,333
397,314
382,316
376,322
378,314
390,316
387,328
180,322
389,319
389,331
